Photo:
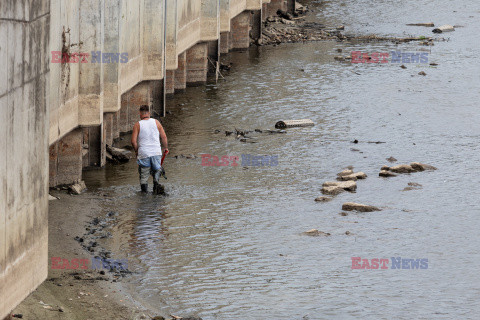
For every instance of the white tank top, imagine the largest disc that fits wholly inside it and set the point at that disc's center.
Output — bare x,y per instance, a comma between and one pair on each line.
148,139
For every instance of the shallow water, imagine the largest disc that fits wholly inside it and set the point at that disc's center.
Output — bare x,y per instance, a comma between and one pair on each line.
226,243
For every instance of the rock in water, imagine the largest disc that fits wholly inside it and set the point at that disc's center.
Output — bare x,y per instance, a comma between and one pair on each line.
332,191
386,174
323,199
421,167
345,185
77,188
118,155
353,176
391,159
402,168
315,233
351,206
444,28
345,172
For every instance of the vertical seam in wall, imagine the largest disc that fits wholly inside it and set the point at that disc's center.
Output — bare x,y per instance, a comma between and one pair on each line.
4,205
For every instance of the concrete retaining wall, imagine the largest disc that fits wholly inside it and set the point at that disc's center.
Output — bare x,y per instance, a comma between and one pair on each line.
24,87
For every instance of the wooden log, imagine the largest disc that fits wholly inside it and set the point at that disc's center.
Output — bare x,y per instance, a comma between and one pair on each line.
428,24
294,123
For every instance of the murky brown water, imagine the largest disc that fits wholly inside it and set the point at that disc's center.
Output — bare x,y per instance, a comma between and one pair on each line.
227,244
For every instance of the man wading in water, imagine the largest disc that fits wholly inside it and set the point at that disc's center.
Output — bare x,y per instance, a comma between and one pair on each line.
146,136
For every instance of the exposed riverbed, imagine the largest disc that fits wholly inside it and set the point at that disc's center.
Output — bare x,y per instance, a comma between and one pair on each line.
226,243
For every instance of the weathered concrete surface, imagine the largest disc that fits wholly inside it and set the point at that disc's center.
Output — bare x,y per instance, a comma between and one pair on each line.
24,42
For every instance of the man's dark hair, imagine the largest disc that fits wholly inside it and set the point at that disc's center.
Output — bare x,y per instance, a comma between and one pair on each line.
144,108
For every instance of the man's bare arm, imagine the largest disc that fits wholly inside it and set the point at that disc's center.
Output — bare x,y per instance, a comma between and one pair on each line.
135,132
163,137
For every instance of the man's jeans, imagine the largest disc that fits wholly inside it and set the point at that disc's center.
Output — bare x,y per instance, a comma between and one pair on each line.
149,166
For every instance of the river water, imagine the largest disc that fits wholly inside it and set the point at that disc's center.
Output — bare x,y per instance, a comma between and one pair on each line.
227,244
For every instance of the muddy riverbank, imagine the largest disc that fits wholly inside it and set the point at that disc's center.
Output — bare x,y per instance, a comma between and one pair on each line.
74,292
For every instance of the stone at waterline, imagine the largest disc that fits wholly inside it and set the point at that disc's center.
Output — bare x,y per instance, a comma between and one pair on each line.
118,155
345,185
77,188
353,177
315,233
386,174
323,199
50,197
352,206
444,28
402,168
345,172
391,159
332,191
421,166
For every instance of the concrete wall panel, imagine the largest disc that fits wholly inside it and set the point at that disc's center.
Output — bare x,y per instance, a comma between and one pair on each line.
23,163
210,22
153,34
90,89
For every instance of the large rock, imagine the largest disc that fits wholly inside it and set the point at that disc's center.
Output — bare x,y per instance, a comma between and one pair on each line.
345,185
351,206
421,166
386,174
77,188
345,172
402,168
332,191
315,233
323,199
353,176
118,155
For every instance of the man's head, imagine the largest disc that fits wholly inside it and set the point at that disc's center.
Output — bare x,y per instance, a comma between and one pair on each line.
144,111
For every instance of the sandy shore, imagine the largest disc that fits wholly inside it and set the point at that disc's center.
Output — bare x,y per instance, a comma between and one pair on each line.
75,293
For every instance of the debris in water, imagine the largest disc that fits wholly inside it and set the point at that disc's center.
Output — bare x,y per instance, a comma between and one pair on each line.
294,123
444,28
428,24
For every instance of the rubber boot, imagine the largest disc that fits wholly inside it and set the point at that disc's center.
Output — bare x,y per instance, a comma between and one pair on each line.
144,187
158,188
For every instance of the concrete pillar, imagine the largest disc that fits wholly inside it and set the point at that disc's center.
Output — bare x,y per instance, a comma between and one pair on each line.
66,159
213,59
131,101
181,72
94,141
108,127
116,125
197,64
224,42
170,82
240,33
290,6
90,86
256,25
270,9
